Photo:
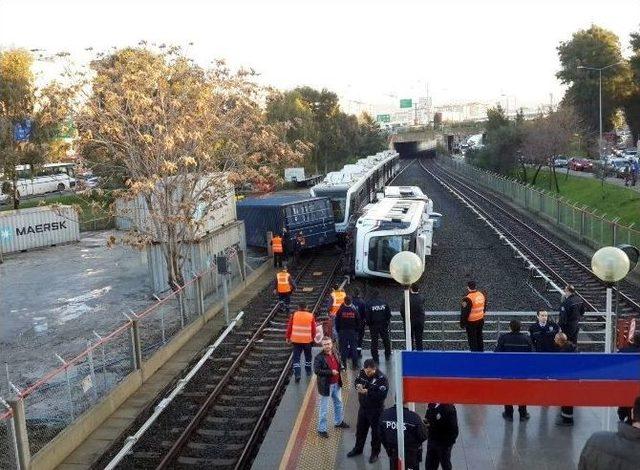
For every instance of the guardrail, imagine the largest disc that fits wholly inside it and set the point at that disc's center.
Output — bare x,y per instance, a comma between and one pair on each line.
37,413
587,226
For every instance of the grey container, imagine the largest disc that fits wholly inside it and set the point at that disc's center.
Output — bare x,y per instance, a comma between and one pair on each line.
200,256
24,229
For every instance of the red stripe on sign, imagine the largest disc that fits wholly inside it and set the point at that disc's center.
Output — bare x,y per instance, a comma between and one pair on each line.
521,392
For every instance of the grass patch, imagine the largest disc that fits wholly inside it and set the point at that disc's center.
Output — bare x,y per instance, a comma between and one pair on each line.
613,200
93,207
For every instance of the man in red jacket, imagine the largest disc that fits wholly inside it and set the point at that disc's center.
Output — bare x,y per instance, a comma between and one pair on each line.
300,332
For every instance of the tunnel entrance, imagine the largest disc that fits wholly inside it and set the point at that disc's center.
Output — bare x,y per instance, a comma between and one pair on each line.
413,149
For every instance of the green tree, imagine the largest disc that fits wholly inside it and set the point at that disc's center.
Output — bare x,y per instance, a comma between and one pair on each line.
631,102
594,47
496,118
372,138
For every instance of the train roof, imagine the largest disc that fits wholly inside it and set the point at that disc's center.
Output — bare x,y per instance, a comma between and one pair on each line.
405,192
273,200
403,211
354,172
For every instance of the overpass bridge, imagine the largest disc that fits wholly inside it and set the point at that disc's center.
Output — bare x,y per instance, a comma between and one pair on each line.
416,143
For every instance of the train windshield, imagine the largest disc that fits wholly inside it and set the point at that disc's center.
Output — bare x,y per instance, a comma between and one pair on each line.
338,202
382,249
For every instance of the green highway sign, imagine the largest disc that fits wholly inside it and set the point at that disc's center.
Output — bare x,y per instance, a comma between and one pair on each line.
383,118
406,103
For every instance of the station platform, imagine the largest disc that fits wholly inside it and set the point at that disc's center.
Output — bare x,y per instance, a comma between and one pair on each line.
486,440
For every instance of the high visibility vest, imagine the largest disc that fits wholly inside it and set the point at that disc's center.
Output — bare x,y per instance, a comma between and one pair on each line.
338,299
477,305
276,243
284,287
301,327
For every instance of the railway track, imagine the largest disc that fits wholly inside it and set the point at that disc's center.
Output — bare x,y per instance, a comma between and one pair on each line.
558,263
220,418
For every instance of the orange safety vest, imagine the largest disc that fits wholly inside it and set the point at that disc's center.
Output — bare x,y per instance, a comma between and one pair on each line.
477,305
301,331
276,243
338,299
284,286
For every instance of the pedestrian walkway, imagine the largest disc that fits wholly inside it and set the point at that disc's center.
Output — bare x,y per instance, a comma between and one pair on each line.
486,441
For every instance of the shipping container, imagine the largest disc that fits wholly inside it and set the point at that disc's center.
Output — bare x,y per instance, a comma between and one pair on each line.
134,215
200,256
288,215
24,229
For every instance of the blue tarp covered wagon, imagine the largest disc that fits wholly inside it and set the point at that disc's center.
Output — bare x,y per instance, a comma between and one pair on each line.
287,215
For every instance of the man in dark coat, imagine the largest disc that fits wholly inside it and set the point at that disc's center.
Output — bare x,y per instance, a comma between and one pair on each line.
614,450
361,307
442,425
347,325
326,366
372,387
624,413
571,311
415,433
514,341
543,332
563,345
416,306
378,319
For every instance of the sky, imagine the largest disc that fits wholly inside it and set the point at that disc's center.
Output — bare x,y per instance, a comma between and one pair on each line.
373,52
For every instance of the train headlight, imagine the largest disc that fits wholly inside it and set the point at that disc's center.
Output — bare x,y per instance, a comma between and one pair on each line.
406,268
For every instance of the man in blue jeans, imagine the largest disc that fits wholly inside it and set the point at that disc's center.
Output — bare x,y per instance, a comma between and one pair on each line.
347,323
326,365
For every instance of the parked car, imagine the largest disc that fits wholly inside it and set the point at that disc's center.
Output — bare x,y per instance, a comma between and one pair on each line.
580,164
560,161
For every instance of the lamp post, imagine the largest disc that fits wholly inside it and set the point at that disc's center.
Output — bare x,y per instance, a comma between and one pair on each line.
599,70
406,268
610,264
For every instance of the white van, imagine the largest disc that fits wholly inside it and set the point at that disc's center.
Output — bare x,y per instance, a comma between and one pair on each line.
48,178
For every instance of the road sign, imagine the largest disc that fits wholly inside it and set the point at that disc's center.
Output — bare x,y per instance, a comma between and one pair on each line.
383,118
406,103
22,130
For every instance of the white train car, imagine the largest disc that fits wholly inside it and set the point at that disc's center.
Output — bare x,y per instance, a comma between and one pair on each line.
391,225
356,185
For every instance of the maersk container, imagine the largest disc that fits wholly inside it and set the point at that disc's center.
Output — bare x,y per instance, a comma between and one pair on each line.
24,229
287,215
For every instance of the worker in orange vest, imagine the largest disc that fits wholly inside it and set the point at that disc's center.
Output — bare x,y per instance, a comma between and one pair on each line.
474,305
301,331
277,245
284,287
336,300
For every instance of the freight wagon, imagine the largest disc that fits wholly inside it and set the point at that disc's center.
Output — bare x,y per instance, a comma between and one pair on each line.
288,215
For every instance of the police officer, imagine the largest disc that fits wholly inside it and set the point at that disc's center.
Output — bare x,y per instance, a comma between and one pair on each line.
284,286
472,312
514,341
543,332
416,317
301,330
563,345
277,245
347,325
372,387
571,310
379,318
361,307
442,425
415,433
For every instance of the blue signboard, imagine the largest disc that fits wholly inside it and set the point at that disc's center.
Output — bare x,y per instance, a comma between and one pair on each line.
22,130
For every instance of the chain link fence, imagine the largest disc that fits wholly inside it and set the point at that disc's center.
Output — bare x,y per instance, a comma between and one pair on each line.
57,399
588,226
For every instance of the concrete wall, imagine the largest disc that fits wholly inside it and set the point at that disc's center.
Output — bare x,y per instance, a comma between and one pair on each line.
54,453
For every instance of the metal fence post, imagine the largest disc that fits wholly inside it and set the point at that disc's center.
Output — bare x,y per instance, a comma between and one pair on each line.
136,350
92,371
582,224
72,411
164,336
614,230
200,295
21,435
181,307
104,362
442,331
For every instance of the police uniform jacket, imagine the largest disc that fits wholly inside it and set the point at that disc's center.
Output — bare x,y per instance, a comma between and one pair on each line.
514,342
347,318
378,312
571,310
442,422
542,337
361,307
416,307
415,432
377,388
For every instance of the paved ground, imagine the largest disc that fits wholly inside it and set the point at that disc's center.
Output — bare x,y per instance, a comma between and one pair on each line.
53,298
486,441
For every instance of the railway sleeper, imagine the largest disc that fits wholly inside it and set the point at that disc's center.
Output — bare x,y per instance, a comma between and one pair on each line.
212,432
211,462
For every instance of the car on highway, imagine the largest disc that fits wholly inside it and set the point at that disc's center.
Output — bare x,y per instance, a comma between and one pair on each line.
580,164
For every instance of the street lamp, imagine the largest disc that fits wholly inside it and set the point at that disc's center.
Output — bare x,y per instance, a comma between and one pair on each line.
610,264
599,70
406,268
